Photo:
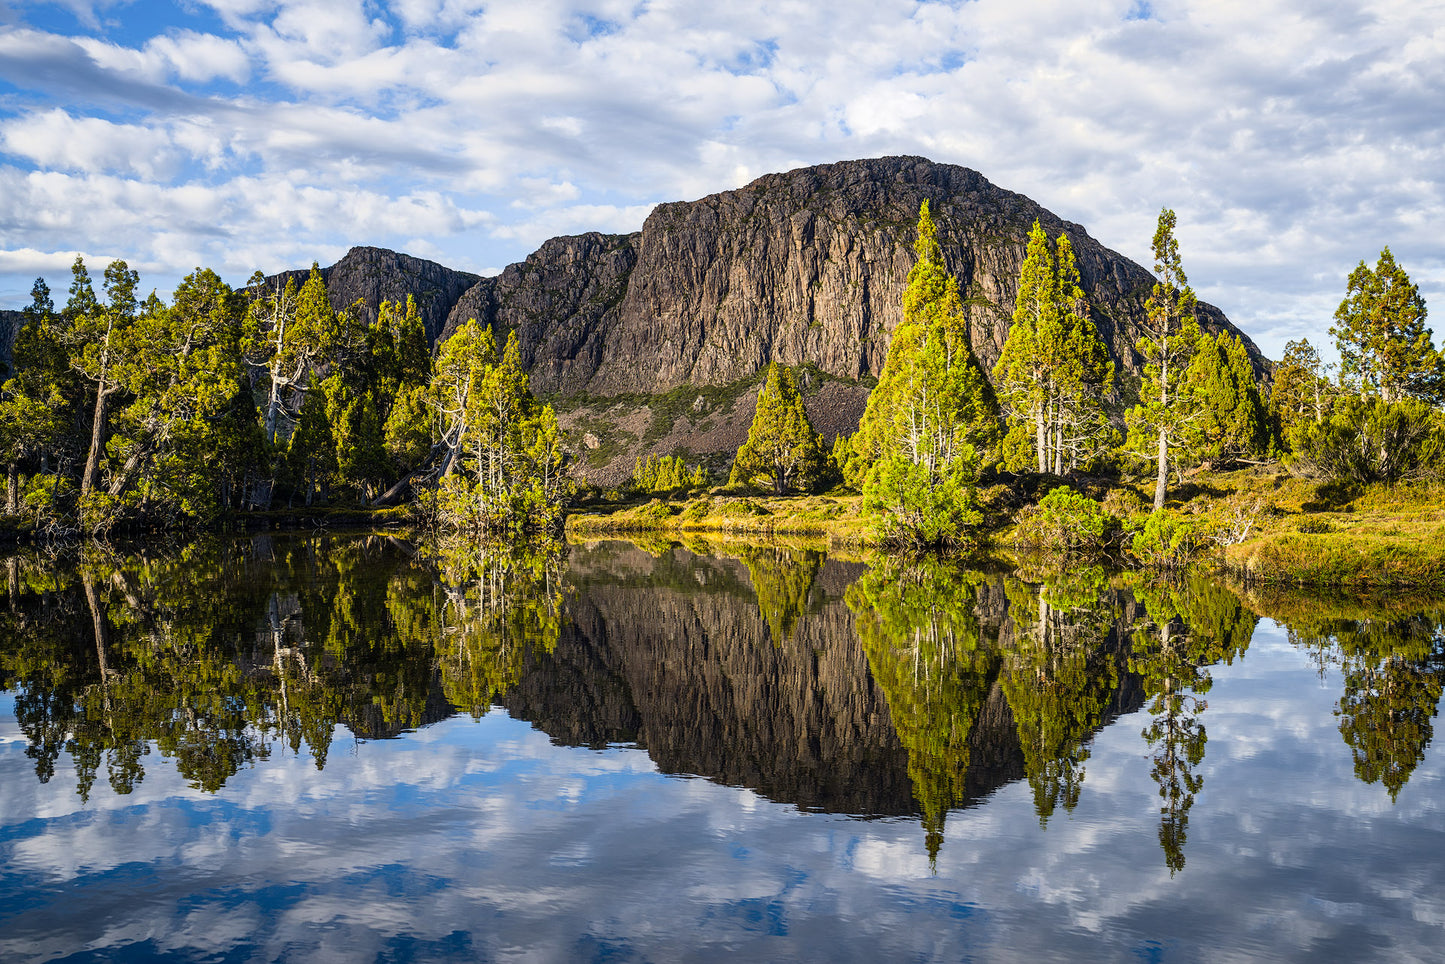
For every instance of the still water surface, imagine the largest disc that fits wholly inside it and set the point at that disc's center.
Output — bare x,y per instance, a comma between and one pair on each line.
358,748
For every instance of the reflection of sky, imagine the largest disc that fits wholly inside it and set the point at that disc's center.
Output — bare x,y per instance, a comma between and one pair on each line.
482,839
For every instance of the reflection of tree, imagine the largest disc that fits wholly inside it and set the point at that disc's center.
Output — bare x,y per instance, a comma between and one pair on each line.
1392,663
1191,623
1058,679
215,654
782,579
501,604
921,636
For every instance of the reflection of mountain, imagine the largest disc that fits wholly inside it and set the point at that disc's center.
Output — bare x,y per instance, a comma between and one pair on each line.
674,653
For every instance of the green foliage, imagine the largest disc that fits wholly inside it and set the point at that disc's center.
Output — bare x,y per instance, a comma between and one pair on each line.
1380,333
214,659
1172,540
1370,440
1163,419
1067,521
782,447
923,509
1059,679
919,446
1391,663
1232,423
498,435
1301,390
782,580
1054,371
919,630
1190,624
668,473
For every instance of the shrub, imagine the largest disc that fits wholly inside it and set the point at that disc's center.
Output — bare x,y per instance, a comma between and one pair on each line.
1369,440
1123,502
697,510
1169,540
654,510
1066,520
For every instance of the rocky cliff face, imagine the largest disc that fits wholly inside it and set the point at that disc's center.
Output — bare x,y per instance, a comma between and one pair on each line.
10,322
807,266
803,267
374,275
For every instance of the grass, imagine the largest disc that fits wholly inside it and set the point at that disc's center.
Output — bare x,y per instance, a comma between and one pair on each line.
1299,533
832,517
1368,556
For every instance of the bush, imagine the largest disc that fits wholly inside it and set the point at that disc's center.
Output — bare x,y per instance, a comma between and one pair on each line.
697,510
654,510
1068,521
1369,440
1123,502
1169,540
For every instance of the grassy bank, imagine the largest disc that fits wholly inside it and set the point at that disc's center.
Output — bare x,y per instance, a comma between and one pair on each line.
1269,527
834,518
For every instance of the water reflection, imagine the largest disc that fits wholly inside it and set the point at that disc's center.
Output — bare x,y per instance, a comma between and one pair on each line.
1190,624
1390,654
896,689
1062,672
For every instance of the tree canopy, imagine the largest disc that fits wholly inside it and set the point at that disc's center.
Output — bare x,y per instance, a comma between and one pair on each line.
782,448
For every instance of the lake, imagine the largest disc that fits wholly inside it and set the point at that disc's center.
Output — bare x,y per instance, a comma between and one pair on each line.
365,748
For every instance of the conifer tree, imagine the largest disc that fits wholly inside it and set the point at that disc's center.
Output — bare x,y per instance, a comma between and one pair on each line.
37,405
1163,416
782,446
931,417
1053,371
1232,423
493,427
181,372
1380,332
1301,391
97,335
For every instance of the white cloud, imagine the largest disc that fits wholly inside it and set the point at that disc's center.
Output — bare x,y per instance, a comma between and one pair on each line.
54,139
1291,141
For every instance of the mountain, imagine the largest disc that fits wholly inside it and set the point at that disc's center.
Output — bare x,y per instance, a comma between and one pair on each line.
802,267
373,275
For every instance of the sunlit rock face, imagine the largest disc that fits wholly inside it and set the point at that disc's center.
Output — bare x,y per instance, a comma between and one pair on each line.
806,266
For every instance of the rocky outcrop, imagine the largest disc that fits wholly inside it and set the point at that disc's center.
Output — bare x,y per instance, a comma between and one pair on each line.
10,322
807,266
373,275
561,302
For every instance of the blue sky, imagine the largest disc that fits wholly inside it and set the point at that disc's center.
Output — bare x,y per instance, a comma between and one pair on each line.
1293,139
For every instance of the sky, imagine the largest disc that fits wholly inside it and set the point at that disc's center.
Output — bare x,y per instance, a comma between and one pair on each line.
1292,139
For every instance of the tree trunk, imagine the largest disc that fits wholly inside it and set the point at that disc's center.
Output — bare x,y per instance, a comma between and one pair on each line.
1163,477
1041,439
91,476
12,489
